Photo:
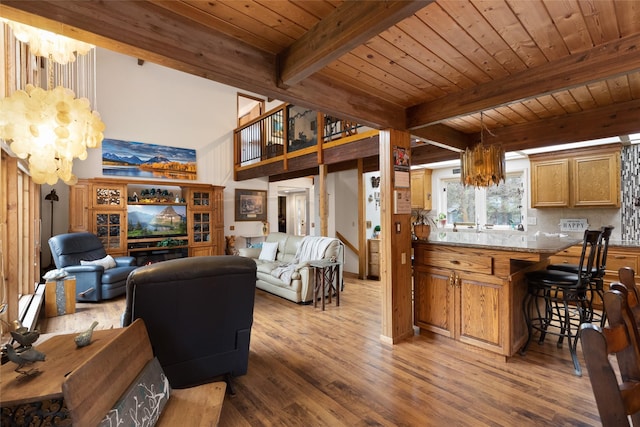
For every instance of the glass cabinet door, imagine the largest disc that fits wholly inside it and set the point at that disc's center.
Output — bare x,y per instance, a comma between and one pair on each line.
108,229
108,196
201,227
201,198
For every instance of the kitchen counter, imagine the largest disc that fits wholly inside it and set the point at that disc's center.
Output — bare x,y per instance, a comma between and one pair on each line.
470,286
624,243
516,242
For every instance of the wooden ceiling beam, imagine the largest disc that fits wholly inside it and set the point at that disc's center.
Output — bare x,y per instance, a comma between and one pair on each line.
348,26
146,31
444,135
604,122
602,62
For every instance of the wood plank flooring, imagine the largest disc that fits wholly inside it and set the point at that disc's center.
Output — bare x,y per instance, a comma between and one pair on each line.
314,368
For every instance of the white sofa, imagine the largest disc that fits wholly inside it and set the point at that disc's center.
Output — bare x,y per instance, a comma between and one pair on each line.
289,274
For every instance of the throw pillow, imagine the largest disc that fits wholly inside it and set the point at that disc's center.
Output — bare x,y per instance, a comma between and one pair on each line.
269,251
106,262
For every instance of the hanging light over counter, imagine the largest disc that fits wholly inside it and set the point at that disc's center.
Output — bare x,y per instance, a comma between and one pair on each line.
482,166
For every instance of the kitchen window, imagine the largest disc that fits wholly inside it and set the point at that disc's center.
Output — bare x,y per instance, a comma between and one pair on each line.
499,206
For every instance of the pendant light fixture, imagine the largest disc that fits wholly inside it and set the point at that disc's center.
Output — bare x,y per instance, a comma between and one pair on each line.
483,166
49,127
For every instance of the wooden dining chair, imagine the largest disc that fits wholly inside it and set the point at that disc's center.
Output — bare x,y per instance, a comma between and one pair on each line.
626,275
616,397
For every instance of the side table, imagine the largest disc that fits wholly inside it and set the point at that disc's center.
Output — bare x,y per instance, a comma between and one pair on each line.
60,296
41,396
326,273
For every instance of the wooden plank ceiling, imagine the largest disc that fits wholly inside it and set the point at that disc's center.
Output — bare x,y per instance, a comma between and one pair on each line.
542,72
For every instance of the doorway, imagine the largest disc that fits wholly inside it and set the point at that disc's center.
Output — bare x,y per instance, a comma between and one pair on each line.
293,211
282,214
249,108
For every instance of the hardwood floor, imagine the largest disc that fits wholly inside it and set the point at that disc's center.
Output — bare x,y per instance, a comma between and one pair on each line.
314,368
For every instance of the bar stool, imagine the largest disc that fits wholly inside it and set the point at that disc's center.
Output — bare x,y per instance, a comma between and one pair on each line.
597,272
557,302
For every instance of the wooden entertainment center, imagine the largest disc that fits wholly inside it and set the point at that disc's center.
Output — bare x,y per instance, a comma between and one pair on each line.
101,206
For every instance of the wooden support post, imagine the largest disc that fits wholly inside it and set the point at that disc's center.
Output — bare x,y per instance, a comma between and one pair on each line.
322,209
362,220
12,265
395,242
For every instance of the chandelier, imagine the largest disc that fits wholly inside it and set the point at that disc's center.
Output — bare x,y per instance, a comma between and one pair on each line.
50,127
47,44
482,166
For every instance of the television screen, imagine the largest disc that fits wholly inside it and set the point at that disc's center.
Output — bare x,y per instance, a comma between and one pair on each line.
156,221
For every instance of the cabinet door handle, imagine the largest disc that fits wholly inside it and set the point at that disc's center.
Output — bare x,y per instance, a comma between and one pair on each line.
620,257
452,279
454,261
458,282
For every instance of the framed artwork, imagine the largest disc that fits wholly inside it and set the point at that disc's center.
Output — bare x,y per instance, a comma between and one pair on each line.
251,205
141,160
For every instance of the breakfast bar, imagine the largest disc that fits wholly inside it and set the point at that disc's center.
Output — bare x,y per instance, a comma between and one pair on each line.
470,286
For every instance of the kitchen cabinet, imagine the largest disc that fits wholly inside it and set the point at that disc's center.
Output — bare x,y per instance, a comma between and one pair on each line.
459,304
421,189
470,287
578,178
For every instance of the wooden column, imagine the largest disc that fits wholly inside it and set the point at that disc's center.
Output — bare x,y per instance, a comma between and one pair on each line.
322,190
395,245
362,220
10,244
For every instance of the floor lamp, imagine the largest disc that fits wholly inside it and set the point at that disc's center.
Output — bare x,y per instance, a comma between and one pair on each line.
53,197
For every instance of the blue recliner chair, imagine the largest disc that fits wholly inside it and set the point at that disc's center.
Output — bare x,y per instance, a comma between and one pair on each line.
93,282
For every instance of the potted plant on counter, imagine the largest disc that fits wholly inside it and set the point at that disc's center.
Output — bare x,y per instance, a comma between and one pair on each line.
442,219
421,224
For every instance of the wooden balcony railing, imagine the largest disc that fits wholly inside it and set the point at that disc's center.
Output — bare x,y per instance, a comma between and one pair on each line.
286,131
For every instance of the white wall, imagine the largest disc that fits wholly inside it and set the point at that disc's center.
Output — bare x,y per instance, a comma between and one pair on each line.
158,105
346,213
373,208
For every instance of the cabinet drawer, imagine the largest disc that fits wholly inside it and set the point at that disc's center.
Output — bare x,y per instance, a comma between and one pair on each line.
616,261
374,246
562,259
476,264
374,258
374,270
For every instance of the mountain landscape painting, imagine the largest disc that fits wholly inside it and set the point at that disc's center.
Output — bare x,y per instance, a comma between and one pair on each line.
129,158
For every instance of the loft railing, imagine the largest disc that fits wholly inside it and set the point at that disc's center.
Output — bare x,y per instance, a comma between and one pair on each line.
287,130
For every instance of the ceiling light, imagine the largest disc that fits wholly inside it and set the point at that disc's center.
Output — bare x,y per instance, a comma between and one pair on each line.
45,43
482,166
50,127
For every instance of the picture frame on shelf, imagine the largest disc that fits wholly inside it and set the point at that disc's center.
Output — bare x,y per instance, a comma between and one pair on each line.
250,205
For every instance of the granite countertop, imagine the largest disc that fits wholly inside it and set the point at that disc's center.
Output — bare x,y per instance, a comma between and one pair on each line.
516,242
625,243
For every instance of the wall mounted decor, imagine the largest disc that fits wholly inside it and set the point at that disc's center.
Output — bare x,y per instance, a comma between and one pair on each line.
251,205
141,160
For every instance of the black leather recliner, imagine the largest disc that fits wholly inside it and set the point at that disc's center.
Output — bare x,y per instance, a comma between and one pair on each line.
198,312
93,282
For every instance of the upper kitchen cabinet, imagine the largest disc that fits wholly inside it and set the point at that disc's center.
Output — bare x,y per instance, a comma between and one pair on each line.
421,189
582,178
